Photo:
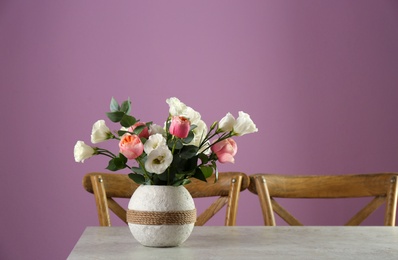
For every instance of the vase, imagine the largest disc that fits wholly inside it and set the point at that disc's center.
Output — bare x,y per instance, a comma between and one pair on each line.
161,216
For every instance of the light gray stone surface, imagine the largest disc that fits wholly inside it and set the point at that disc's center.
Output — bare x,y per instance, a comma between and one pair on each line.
253,242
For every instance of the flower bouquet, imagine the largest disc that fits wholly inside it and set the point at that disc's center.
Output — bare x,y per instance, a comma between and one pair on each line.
171,154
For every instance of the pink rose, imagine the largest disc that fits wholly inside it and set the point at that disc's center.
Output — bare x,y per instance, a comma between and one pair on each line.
131,146
144,133
180,126
225,150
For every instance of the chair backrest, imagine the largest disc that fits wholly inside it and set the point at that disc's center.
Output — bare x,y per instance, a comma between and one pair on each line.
107,186
381,186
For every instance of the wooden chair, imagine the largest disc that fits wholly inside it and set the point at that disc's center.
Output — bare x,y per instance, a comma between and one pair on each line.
381,186
107,186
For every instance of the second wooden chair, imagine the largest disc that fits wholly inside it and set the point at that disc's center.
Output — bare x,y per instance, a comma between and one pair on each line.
108,186
381,186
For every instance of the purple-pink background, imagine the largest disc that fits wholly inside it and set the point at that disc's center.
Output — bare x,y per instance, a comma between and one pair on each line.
319,78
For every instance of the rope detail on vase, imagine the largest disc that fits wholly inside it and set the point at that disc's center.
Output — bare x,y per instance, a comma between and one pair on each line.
161,217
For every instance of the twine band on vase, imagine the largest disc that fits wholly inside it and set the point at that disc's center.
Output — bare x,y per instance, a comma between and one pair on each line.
161,217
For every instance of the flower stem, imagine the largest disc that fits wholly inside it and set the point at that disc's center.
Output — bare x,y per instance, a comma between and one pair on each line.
105,152
172,152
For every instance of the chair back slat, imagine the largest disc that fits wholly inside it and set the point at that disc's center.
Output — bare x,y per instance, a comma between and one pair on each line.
365,212
209,212
332,186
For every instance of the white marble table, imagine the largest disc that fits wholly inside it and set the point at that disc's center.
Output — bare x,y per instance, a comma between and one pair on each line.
252,242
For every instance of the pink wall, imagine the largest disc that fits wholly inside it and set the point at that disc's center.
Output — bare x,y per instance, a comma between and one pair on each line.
319,78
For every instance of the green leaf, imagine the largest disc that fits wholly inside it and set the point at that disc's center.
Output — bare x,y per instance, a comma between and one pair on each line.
138,170
157,181
114,106
192,127
123,158
117,163
189,138
126,106
162,176
180,176
127,120
188,152
181,182
199,175
115,116
207,171
177,142
143,140
203,158
137,178
111,166
139,129
122,132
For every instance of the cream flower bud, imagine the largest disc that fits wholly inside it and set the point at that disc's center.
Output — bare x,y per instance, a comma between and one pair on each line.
226,124
100,132
244,125
82,151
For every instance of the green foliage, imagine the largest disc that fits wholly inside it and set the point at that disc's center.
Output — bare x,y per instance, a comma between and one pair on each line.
114,106
117,163
207,171
120,113
127,120
115,116
137,178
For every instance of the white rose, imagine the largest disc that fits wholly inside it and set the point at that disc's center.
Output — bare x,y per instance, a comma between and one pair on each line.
244,125
226,124
153,142
82,151
192,115
176,106
100,132
159,160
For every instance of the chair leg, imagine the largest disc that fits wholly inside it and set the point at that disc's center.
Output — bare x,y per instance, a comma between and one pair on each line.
232,206
265,201
101,201
391,203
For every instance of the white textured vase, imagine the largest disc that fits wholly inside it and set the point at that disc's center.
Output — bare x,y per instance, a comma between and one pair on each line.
161,216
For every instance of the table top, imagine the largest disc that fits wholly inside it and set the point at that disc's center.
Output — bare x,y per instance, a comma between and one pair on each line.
246,242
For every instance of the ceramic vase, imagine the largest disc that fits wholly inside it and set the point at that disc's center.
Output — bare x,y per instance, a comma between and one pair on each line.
161,216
